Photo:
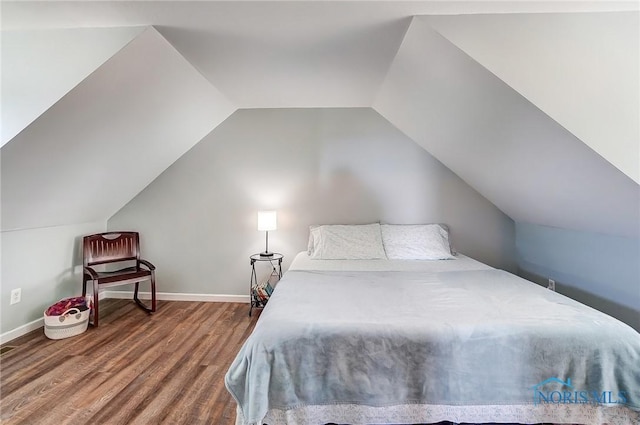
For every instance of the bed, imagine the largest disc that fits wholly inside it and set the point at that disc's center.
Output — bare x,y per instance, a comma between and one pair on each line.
382,341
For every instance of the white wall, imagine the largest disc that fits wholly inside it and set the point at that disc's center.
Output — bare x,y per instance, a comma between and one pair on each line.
512,153
580,68
198,219
109,137
40,67
43,262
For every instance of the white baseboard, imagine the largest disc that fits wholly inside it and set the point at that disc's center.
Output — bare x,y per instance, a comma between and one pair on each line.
165,296
173,296
21,330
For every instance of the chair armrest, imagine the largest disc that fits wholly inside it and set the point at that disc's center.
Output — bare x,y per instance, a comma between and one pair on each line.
147,264
89,271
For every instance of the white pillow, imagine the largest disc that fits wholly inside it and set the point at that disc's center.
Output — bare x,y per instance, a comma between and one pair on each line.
313,233
347,242
416,242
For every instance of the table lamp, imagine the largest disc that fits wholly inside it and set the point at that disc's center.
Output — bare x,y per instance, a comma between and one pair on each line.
266,222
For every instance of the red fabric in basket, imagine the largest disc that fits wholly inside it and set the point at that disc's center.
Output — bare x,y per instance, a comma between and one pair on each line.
63,305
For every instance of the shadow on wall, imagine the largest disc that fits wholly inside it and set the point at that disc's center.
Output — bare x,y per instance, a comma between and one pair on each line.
69,281
77,259
623,313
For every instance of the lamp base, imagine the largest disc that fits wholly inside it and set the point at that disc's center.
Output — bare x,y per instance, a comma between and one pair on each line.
266,254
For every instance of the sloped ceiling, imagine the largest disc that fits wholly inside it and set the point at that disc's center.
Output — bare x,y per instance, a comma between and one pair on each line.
580,68
137,113
500,143
109,137
276,54
39,67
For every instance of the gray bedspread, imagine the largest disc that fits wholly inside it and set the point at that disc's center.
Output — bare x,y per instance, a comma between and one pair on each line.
465,338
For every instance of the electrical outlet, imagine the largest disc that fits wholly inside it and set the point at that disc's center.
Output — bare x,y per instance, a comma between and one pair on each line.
16,294
552,285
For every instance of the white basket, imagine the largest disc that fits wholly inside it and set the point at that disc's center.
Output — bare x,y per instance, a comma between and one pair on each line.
71,323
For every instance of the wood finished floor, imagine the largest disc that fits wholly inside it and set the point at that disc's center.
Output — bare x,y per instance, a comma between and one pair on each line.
167,368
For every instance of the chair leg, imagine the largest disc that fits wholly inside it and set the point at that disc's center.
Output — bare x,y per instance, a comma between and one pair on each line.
84,285
153,291
95,304
135,292
153,296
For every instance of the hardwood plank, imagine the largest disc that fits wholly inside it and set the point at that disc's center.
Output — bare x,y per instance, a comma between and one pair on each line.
134,399
165,398
206,402
167,368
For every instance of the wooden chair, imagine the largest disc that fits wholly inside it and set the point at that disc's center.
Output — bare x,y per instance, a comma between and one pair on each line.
116,247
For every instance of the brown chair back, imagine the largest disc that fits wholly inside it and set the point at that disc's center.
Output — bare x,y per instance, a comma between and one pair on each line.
110,247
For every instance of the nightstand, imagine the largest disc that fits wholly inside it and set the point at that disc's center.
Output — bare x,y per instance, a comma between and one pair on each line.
258,297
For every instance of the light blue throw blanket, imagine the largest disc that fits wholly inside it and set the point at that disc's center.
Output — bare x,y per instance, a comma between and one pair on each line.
465,338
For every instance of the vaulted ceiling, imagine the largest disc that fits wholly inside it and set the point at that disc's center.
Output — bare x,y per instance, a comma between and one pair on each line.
109,94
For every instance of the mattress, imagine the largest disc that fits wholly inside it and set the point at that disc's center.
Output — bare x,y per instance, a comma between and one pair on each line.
450,340
302,261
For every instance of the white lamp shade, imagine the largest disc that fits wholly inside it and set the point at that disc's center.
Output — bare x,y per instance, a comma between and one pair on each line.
267,220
